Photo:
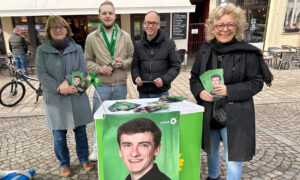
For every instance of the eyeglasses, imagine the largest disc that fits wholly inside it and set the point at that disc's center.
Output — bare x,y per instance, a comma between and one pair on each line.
229,26
54,28
148,23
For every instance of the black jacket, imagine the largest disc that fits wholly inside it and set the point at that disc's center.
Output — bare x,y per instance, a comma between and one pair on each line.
244,75
153,174
154,59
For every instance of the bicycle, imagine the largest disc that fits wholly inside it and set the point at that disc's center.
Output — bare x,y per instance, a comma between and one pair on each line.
14,91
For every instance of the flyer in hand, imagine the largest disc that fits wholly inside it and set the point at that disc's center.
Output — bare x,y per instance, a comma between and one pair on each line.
113,64
80,82
211,78
122,106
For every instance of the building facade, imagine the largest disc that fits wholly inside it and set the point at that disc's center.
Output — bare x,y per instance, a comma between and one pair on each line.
31,16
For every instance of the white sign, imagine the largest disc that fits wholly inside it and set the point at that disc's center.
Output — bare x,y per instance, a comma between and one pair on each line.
194,31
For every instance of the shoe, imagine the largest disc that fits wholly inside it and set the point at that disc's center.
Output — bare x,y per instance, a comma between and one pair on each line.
208,178
87,166
65,171
19,80
93,156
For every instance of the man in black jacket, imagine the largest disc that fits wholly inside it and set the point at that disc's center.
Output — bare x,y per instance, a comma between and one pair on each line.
156,62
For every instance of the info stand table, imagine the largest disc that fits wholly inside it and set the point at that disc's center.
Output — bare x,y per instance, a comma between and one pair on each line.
190,130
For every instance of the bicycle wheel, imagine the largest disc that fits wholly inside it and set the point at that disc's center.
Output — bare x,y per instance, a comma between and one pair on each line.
12,93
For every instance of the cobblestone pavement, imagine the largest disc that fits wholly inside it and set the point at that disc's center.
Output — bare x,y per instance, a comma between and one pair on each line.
25,143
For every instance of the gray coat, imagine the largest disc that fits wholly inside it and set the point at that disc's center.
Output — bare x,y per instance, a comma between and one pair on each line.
53,67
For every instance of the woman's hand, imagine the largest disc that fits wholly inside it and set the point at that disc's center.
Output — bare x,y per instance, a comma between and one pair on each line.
220,90
72,90
63,88
206,96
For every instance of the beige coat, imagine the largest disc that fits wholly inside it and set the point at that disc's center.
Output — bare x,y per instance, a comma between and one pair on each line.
97,55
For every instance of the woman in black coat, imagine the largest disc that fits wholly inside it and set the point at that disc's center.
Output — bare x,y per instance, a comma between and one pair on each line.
244,74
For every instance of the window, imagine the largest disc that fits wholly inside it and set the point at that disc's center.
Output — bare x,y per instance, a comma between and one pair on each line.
292,17
2,43
40,28
21,22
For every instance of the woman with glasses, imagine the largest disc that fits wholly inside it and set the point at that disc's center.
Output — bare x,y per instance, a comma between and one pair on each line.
55,62
244,74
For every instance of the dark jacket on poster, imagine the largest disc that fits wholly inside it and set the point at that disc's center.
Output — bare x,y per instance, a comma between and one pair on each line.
153,174
154,59
244,74
17,44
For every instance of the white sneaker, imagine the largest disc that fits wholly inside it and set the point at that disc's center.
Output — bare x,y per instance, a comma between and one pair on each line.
93,156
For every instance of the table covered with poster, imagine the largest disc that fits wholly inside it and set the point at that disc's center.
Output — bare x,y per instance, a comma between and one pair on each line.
189,117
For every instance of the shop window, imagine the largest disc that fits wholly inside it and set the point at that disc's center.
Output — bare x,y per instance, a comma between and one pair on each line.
94,23
256,14
292,17
21,22
137,25
40,28
2,42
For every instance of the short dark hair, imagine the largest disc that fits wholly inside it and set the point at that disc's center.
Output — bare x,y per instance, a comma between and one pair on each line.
140,125
153,12
215,76
106,3
77,77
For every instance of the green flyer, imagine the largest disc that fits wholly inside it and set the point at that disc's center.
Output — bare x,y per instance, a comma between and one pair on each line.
168,158
80,82
211,78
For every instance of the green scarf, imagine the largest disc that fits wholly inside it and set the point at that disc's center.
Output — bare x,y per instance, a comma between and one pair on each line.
112,43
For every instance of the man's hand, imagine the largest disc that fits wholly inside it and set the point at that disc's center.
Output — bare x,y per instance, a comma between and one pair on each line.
206,96
63,87
220,90
105,70
139,81
119,62
158,82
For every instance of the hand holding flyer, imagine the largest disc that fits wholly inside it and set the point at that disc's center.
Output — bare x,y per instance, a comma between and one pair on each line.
211,79
80,82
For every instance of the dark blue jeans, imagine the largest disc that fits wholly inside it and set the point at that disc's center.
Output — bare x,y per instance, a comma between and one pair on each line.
62,151
142,96
20,60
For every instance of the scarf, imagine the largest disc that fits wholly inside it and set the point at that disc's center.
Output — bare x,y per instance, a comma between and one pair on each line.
110,45
240,46
60,45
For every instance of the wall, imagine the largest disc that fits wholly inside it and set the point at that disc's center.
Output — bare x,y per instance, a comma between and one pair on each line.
274,33
7,27
125,22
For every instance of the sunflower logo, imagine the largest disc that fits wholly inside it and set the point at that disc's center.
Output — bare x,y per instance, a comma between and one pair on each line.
181,160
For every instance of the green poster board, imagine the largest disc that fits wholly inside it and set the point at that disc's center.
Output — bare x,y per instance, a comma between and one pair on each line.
167,160
190,130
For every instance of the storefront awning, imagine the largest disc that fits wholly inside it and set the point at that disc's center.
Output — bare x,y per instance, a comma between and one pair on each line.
11,8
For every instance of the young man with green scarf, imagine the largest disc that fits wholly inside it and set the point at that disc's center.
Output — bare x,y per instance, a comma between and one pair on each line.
109,52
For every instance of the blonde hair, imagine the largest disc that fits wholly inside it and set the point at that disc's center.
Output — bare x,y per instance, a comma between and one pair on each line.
106,3
236,12
57,20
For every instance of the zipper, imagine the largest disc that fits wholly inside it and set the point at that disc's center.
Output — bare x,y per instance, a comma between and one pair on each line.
151,58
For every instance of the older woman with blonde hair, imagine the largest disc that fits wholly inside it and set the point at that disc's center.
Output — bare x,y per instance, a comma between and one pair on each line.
55,62
244,74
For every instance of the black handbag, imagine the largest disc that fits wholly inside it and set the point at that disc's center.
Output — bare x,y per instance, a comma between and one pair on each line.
219,113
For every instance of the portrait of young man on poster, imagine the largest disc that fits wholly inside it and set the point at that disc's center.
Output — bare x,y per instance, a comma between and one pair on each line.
139,144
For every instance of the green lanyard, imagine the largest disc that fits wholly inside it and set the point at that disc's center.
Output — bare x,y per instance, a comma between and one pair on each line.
111,45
